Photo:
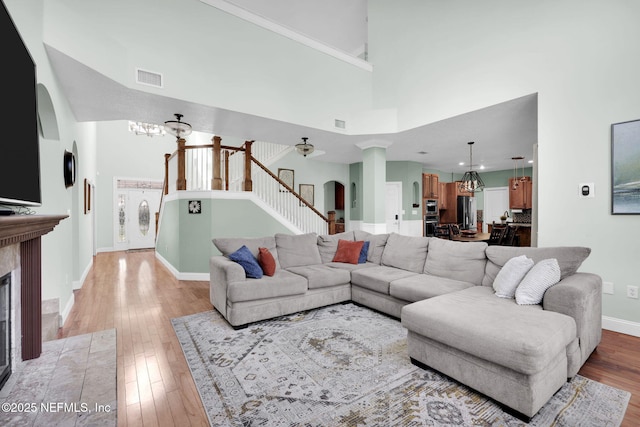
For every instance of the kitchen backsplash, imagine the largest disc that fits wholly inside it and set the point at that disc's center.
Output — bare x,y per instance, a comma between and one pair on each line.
522,217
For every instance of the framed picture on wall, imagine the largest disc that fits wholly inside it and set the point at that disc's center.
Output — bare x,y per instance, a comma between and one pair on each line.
625,174
286,176
306,192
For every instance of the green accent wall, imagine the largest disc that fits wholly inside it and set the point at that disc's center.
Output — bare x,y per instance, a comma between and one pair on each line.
373,182
408,173
185,240
355,186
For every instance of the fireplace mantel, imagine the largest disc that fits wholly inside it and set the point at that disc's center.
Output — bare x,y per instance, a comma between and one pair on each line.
20,228
26,230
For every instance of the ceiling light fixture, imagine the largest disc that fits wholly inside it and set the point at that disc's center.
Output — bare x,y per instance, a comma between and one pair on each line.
304,148
515,184
149,129
471,180
177,128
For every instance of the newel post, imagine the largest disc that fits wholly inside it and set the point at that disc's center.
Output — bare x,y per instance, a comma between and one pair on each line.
216,180
247,185
181,182
331,215
226,170
166,173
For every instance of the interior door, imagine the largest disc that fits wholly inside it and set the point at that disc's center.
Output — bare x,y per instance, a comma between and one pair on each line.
393,206
141,223
496,201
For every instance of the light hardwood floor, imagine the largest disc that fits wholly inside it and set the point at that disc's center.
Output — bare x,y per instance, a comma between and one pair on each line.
135,294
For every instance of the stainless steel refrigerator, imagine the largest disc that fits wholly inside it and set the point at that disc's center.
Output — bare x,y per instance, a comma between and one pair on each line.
467,213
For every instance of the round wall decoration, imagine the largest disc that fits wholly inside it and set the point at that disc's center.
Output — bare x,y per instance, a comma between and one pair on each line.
69,169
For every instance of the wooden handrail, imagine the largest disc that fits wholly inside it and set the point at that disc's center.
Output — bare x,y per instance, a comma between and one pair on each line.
291,190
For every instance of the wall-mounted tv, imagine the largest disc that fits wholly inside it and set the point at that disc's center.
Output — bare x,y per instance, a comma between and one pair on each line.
19,149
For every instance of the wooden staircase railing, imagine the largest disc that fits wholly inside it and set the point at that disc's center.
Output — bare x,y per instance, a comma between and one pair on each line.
269,187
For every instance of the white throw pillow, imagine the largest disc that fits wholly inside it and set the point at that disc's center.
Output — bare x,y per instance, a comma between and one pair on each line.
541,277
510,276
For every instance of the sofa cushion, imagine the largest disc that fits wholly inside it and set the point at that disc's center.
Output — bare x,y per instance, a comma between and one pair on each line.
511,275
245,258
405,252
569,258
282,283
541,277
350,267
463,261
228,245
328,244
377,243
321,275
421,286
267,261
348,252
378,278
299,249
524,338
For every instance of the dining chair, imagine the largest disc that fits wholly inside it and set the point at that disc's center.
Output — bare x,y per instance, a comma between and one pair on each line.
497,234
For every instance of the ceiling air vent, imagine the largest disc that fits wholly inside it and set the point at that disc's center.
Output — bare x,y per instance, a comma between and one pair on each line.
148,78
340,124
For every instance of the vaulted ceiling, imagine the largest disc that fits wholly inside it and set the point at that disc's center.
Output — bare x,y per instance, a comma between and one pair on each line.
501,131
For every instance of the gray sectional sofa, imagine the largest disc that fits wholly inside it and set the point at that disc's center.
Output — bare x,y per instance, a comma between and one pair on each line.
442,291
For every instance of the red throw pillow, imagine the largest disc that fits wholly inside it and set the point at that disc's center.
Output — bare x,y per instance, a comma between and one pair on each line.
267,261
348,251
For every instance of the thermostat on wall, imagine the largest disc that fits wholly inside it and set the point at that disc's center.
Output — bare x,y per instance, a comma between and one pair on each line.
586,190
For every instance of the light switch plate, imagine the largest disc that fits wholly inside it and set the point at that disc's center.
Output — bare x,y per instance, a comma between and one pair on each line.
586,190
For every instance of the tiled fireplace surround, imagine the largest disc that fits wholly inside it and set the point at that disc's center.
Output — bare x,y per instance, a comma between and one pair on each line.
21,235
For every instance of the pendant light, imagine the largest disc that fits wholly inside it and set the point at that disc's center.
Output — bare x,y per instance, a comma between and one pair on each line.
516,183
304,148
471,181
177,127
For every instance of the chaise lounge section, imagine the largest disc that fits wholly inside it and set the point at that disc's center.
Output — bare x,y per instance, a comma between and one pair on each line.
516,352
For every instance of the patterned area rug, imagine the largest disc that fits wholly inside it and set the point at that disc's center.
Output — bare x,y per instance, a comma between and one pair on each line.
346,365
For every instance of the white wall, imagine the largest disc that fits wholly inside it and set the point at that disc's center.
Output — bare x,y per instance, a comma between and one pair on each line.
208,56
63,245
447,58
123,154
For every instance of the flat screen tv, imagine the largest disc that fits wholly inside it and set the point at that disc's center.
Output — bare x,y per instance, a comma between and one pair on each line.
19,147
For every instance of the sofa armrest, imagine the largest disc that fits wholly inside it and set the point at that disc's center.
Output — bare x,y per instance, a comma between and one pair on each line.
579,296
223,271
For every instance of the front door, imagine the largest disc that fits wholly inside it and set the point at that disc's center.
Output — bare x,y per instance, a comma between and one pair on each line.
135,205
141,227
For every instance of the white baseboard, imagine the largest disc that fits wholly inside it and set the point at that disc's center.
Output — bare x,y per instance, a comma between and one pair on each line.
182,276
67,309
77,284
111,249
621,325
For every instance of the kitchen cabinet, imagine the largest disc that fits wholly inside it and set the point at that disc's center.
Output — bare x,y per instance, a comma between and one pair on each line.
442,193
524,236
520,197
430,186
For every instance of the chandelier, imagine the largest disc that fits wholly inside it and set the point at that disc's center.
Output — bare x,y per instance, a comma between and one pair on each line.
149,129
471,180
304,148
178,128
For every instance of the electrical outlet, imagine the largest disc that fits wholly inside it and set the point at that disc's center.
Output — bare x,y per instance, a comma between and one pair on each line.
632,292
607,288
